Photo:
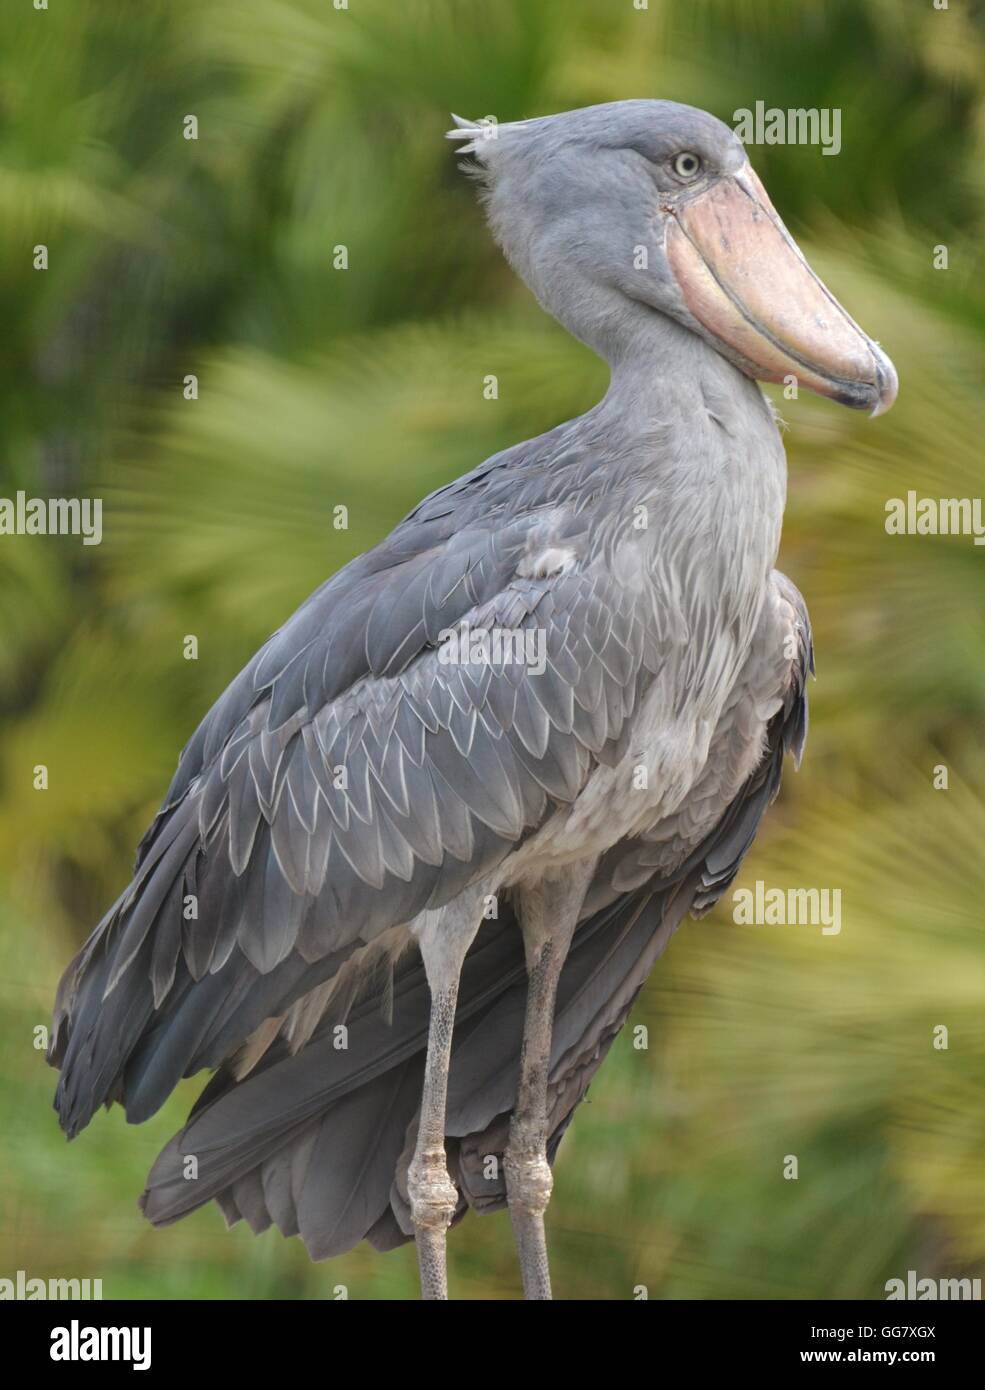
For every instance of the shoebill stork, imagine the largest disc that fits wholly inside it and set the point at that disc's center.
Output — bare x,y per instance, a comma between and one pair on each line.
418,859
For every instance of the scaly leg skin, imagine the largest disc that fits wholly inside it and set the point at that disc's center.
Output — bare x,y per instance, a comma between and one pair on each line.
548,916
445,937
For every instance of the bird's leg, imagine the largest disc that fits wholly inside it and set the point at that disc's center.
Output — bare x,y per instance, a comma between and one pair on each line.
548,915
445,938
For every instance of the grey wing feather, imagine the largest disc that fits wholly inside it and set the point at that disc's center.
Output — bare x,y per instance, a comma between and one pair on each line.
247,1125
298,867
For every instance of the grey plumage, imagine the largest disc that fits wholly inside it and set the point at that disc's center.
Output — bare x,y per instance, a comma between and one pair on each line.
352,781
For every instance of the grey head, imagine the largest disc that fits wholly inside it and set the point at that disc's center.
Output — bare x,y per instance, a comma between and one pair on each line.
616,213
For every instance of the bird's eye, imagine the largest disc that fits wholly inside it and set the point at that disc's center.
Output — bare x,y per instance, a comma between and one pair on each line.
687,165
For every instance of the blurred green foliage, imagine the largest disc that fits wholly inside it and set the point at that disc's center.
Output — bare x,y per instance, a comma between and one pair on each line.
318,387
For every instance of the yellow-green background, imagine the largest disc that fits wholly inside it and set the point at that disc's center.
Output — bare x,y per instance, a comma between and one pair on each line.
364,387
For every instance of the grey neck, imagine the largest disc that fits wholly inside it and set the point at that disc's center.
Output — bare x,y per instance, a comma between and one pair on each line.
711,450
662,373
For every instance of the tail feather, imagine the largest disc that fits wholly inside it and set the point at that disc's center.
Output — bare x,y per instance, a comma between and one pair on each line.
311,1142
